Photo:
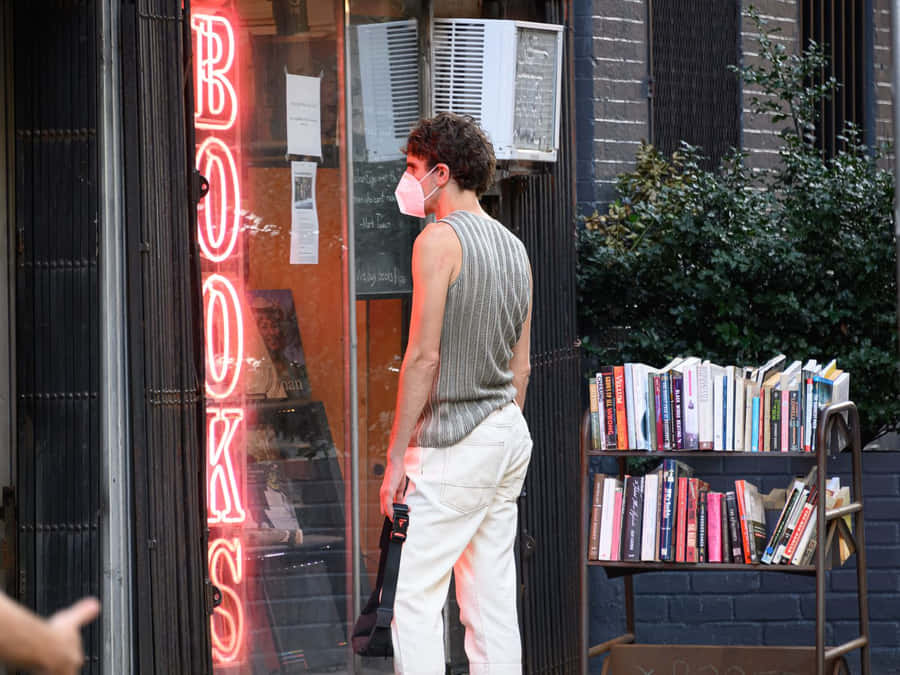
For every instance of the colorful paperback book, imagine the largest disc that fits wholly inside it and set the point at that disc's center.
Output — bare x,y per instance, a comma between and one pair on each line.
618,505
658,411
607,516
595,415
677,411
609,406
714,526
621,413
666,391
754,432
601,411
793,495
681,520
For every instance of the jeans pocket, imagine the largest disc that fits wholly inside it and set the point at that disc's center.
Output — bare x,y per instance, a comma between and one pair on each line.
471,475
466,499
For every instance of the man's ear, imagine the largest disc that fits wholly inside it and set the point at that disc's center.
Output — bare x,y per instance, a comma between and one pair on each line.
442,172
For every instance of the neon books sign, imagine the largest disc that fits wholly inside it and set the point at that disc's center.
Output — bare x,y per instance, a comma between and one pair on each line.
219,220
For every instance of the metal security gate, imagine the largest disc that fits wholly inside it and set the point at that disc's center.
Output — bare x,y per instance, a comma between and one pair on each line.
695,97
540,210
55,54
165,342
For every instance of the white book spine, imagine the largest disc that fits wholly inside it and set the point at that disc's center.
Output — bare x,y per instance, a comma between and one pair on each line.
704,406
804,540
629,403
791,522
691,410
740,412
606,518
639,385
717,404
729,407
648,532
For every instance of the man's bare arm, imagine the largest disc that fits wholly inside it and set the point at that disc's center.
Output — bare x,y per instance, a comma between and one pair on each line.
436,256
520,363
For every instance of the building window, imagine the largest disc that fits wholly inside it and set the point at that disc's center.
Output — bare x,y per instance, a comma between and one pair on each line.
840,27
696,98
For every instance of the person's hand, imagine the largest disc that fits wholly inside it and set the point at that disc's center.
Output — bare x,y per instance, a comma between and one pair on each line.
64,653
391,487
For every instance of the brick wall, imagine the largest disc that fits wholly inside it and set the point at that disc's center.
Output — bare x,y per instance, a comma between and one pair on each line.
884,124
759,135
611,103
769,608
616,99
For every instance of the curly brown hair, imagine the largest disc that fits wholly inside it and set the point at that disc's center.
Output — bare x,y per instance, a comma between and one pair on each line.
458,142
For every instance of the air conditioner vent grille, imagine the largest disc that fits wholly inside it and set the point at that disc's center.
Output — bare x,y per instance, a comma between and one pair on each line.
458,80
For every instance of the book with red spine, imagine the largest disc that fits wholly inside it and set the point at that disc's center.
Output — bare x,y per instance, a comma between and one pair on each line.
681,520
621,413
690,545
742,520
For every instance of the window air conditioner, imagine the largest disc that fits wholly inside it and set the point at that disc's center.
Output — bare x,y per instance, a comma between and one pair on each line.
389,84
505,74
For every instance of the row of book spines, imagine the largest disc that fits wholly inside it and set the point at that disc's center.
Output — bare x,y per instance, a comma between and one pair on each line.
706,526
668,428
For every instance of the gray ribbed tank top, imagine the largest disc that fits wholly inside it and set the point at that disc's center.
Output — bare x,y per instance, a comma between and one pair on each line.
486,307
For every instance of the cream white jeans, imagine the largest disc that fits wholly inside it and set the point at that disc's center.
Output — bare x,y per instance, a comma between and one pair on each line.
463,517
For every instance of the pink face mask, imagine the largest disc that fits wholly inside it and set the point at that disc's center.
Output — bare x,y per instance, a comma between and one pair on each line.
410,195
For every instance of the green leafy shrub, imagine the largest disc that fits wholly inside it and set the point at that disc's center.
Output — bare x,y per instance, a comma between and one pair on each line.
736,265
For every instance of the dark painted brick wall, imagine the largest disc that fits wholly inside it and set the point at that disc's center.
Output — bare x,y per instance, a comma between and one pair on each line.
769,608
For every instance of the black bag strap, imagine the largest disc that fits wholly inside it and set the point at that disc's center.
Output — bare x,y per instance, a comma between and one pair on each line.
391,563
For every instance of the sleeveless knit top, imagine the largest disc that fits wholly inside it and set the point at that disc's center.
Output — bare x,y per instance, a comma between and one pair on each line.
485,309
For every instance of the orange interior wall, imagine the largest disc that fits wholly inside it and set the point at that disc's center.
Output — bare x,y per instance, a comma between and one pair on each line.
318,297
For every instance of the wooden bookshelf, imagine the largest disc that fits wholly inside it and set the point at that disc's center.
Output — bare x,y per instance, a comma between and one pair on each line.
831,425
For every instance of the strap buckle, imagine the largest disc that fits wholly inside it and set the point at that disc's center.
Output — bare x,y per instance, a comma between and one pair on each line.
401,522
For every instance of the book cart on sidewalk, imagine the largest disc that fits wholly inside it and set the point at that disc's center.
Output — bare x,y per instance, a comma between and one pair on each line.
832,429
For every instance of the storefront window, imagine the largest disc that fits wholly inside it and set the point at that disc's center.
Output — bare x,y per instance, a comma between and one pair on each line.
268,115
384,76
284,238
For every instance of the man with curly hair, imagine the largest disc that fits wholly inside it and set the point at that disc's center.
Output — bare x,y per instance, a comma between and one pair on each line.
459,447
